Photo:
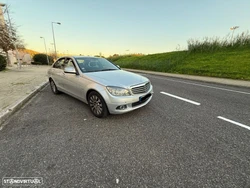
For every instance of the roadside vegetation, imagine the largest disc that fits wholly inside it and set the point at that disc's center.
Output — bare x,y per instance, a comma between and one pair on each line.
3,62
228,57
41,59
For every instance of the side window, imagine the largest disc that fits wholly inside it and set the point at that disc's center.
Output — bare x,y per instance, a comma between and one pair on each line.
70,63
59,64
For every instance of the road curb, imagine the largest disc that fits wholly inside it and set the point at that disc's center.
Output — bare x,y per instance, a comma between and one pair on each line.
5,114
224,81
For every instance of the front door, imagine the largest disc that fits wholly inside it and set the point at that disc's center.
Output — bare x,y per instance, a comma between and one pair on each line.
72,81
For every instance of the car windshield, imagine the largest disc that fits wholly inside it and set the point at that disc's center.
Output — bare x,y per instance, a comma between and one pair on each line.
93,64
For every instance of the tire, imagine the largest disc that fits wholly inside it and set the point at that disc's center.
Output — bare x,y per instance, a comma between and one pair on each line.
53,87
97,105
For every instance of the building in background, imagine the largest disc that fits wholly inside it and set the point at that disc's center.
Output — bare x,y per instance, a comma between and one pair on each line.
24,57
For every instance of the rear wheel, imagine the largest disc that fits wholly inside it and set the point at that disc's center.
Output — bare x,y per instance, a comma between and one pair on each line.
97,104
53,87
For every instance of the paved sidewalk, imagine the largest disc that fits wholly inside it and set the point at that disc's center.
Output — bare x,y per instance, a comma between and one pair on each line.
18,85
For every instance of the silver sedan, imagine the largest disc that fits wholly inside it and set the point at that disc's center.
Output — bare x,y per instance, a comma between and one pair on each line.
99,83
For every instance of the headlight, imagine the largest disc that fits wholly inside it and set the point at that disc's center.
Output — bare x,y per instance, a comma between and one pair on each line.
118,91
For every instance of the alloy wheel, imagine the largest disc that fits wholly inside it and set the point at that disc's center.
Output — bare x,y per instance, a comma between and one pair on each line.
95,104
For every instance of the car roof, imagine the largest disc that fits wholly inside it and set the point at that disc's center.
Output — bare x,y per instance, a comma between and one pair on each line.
80,57
85,57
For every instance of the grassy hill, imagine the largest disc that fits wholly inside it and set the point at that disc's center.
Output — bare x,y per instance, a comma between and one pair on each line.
225,61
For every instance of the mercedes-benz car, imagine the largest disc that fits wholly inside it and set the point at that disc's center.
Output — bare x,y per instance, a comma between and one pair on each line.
101,84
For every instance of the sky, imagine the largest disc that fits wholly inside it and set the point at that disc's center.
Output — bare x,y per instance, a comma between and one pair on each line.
107,27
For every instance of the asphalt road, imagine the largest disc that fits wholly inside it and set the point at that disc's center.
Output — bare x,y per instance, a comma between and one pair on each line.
192,134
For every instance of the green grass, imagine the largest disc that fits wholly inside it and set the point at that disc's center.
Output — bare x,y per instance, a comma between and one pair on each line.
224,63
154,62
225,58
228,63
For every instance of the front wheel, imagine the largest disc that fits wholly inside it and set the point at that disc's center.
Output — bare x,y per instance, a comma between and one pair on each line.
97,104
53,87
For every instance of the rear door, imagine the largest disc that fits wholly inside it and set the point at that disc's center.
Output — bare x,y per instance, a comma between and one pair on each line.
57,73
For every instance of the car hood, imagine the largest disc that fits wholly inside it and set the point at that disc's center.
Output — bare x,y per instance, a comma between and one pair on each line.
119,78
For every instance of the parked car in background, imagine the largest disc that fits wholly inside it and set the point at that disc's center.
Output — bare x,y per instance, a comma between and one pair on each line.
99,83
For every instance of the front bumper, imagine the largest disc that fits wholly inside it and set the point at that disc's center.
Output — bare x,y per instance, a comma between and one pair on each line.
120,105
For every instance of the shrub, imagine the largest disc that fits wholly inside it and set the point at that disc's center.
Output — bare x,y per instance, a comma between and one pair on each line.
41,59
36,63
3,63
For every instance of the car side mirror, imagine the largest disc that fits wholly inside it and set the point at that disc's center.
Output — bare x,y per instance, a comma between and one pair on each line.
70,70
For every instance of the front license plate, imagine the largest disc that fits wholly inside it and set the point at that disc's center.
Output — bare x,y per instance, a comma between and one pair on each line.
142,98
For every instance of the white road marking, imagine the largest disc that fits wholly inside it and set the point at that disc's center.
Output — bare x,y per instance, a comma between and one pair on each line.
117,180
234,122
201,85
186,100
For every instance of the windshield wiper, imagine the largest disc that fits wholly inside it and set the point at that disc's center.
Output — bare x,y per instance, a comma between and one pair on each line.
91,71
108,69
100,70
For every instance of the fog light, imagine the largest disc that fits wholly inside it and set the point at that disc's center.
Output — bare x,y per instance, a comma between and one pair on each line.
122,107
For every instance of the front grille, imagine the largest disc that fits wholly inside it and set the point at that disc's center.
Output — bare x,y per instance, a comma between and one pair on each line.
141,89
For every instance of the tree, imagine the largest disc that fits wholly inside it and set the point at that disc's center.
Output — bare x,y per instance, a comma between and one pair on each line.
53,55
9,37
41,59
2,62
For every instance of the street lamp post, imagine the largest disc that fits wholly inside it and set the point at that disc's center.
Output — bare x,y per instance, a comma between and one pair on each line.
10,33
45,49
54,35
233,28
